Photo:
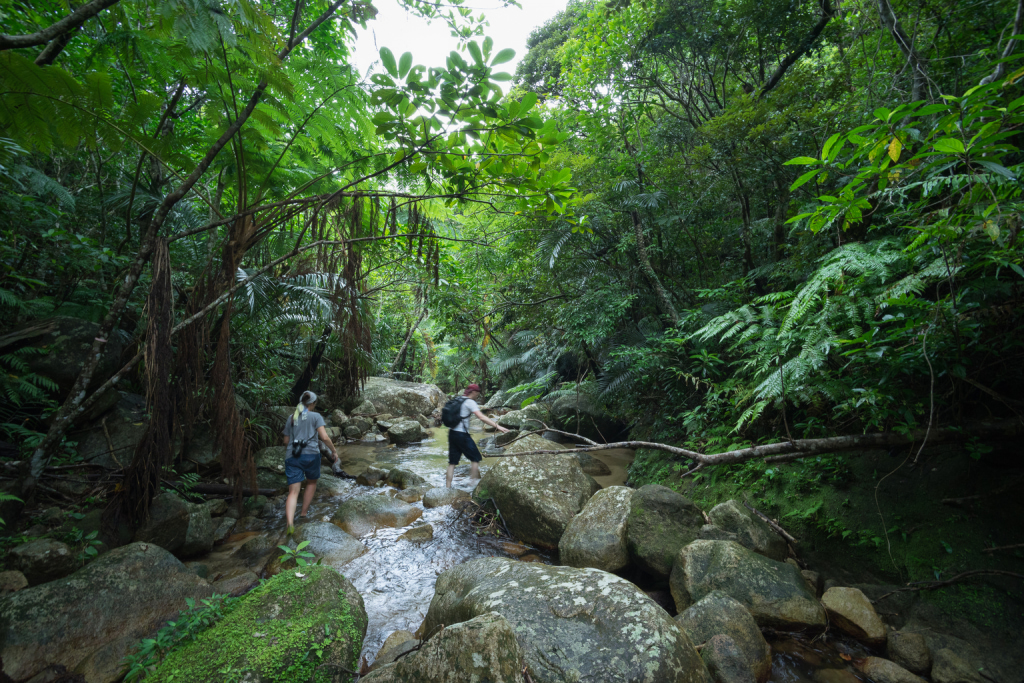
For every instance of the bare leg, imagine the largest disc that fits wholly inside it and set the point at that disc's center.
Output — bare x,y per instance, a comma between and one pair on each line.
289,504
448,476
474,470
307,497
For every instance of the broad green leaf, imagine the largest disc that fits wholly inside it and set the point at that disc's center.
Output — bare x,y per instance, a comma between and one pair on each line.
802,161
949,146
417,167
527,102
997,168
474,51
804,179
828,146
387,58
501,76
882,114
488,46
506,55
404,64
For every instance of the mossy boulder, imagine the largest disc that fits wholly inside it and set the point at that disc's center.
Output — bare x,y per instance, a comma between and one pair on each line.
883,671
751,531
111,440
538,495
200,534
909,650
271,458
592,466
438,497
481,649
532,442
572,624
596,537
660,523
407,431
372,476
167,524
303,625
400,398
44,559
533,416
850,611
718,614
402,478
88,621
724,661
332,546
364,515
775,593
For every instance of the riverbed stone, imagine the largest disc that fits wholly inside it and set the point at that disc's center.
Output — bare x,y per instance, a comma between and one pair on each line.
724,661
330,544
12,580
372,476
395,645
168,522
775,593
883,671
949,667
363,515
596,537
909,650
254,548
660,523
281,622
592,466
407,431
718,614
850,611
402,398
200,533
217,506
573,624
43,560
751,531
89,621
533,442
271,458
438,497
483,649
503,438
538,495
402,478
410,495
235,582
351,431
418,534
532,417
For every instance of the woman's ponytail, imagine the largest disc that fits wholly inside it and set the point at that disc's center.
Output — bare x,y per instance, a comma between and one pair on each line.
308,398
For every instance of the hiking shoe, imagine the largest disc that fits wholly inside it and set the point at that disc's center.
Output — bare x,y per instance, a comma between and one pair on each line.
291,530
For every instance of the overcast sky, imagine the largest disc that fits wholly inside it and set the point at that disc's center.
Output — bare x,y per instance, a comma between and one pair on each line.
430,43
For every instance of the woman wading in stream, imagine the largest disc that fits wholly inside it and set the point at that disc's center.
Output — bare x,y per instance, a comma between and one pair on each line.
302,461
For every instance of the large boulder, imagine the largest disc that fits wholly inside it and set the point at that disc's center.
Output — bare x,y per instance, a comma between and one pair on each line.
202,447
63,346
402,478
271,458
435,498
718,614
200,534
407,431
88,621
532,442
111,440
580,415
332,546
596,537
751,531
592,466
364,515
660,523
481,649
573,624
883,671
909,650
537,495
43,559
402,398
532,417
274,631
168,522
775,593
724,661
850,611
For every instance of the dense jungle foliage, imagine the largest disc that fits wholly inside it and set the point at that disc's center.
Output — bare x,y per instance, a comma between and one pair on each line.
723,222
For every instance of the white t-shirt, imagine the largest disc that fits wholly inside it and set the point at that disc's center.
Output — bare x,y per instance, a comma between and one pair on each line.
469,406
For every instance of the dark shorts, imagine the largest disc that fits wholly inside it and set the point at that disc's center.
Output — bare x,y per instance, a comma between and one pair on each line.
459,444
306,466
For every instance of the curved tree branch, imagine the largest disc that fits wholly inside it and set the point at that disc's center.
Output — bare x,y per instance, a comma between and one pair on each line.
1010,45
808,42
68,23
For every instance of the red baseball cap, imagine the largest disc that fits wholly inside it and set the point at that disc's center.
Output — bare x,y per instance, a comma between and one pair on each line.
472,388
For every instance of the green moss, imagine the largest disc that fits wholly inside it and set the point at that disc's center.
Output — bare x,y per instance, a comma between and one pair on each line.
284,629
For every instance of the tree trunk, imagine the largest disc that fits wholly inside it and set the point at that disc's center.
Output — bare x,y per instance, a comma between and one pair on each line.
919,75
401,351
302,383
664,302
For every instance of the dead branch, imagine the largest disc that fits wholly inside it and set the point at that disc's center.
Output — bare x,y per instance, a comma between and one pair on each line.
773,524
1003,547
930,585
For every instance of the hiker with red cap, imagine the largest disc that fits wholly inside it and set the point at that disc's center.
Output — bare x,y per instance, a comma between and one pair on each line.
456,416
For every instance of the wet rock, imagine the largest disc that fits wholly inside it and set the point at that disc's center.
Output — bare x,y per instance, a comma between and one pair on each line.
361,516
364,408
710,532
337,418
202,447
401,398
372,476
418,534
592,465
352,432
481,649
168,523
254,549
201,569
532,417
718,614
435,498
397,644
532,442
775,593
254,505
751,531
537,495
596,537
573,624
266,479
910,651
281,622
235,582
407,431
217,507
385,424
851,612
660,523
835,676
402,478
883,671
52,516
425,422
330,544
949,667
43,560
724,661
334,433
813,580
271,458
504,437
373,437
89,621
125,425
412,495
200,534
11,581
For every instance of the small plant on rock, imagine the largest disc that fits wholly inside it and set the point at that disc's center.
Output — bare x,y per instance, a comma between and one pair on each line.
298,555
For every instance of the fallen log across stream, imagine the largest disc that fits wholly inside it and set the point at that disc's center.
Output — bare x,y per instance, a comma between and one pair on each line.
786,451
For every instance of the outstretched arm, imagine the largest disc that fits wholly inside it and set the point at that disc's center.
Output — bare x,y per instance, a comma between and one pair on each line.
488,421
322,433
